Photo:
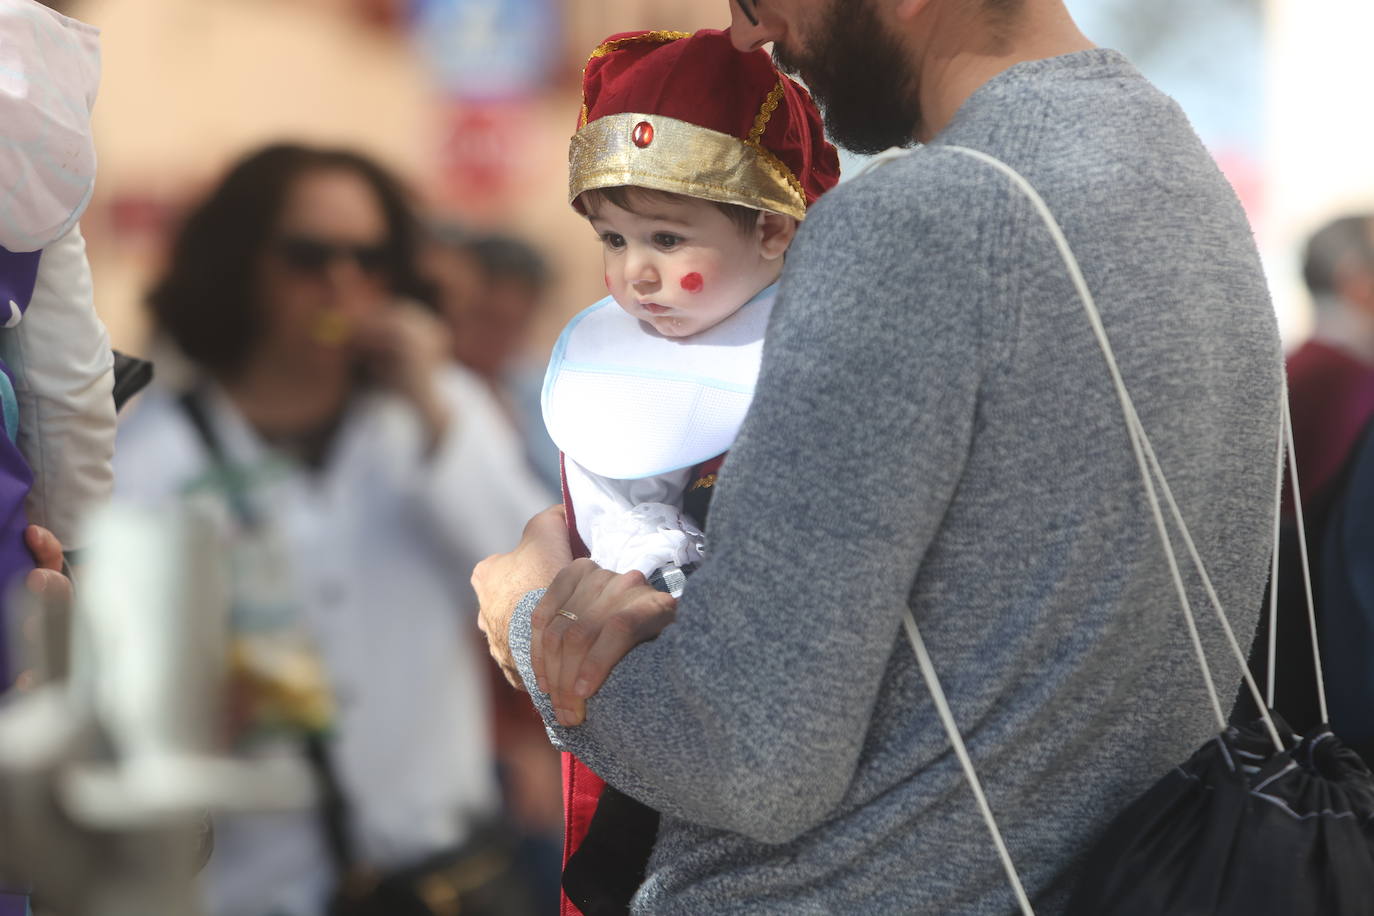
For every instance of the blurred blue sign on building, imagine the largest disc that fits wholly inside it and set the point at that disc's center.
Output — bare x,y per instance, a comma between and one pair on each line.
489,49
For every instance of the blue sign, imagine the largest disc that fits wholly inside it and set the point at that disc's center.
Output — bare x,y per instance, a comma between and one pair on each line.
489,49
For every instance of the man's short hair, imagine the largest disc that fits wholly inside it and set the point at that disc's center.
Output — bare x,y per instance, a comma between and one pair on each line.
498,256
633,199
1333,248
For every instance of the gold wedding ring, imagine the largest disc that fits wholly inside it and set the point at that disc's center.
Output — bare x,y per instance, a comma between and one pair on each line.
568,614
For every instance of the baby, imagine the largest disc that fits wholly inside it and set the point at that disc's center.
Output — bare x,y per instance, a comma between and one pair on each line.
694,164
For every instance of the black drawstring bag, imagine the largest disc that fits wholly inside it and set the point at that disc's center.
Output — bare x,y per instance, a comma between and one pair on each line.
1241,829
1259,821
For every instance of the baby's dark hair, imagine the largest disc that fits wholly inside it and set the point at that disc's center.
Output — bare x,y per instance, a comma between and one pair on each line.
634,199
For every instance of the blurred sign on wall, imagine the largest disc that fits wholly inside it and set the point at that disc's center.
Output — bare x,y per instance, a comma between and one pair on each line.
489,49
489,59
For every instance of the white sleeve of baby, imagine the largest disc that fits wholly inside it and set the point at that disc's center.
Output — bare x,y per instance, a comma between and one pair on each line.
634,524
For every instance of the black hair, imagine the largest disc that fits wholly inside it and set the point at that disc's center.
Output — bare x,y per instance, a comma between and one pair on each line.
633,198
206,300
1334,246
499,257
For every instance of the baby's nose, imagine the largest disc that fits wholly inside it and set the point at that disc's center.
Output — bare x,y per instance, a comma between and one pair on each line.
645,280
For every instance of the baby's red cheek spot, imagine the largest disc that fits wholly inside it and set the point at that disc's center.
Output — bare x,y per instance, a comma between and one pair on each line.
693,283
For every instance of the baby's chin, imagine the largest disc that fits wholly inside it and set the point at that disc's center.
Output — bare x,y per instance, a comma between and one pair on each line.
674,326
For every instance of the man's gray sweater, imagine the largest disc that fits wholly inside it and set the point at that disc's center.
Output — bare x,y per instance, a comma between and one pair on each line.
935,426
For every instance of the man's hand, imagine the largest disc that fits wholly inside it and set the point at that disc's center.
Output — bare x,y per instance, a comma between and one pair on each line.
587,621
47,579
503,579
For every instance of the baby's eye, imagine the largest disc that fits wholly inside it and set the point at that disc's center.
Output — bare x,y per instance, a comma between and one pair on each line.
613,240
667,240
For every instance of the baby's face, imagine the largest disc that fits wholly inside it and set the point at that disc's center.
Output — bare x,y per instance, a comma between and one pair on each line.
681,265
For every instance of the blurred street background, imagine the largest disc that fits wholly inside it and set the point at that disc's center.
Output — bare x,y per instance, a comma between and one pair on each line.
278,124
472,102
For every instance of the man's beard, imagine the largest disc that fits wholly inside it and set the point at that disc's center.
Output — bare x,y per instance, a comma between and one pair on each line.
860,77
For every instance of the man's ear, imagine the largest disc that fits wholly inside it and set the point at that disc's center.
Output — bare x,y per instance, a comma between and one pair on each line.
1355,287
907,9
775,233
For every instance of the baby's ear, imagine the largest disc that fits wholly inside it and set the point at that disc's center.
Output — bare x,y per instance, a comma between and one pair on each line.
775,233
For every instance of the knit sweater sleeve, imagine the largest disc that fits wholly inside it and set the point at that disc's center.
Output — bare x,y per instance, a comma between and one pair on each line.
749,713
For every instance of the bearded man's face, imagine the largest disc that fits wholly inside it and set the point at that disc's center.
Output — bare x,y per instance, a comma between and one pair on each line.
861,77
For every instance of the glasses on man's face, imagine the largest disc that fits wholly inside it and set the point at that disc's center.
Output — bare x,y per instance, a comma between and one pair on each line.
747,8
314,256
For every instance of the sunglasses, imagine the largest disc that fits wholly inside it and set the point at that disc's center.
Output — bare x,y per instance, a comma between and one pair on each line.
747,8
315,256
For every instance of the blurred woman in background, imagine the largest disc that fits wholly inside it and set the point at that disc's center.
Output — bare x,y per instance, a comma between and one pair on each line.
292,290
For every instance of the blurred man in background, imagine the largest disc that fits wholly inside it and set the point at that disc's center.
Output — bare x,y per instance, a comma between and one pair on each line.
1331,394
1331,376
490,288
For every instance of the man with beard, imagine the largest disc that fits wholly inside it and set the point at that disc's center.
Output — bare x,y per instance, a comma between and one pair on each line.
935,428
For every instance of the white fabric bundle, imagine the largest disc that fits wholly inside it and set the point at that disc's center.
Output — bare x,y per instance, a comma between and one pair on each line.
49,73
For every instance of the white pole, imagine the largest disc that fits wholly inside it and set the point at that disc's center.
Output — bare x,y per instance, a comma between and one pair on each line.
1320,139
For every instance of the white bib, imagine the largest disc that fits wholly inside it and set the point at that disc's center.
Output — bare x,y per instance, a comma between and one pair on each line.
625,402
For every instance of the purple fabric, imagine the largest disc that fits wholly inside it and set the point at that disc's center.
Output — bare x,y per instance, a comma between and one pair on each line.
18,274
14,904
16,478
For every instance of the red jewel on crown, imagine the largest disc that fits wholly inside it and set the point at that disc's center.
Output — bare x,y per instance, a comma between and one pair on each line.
643,134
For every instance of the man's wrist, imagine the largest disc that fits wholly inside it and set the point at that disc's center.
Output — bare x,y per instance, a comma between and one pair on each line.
518,635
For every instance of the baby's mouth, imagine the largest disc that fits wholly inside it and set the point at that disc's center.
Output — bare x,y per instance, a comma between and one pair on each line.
654,308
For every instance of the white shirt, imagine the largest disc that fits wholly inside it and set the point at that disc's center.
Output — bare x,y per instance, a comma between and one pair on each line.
383,545
59,355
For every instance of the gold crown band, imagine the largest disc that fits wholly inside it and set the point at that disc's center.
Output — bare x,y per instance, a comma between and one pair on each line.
604,154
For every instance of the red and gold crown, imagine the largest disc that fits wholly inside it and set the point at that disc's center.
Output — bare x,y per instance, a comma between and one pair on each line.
689,114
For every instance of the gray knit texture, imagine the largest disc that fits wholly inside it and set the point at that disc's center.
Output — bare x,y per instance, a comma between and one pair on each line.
934,425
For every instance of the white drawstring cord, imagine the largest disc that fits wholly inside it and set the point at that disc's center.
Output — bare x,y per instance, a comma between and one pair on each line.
937,694
1140,444
1147,462
1274,557
1306,570
1241,658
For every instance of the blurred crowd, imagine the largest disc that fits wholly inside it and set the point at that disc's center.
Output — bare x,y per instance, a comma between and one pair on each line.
364,366
360,366
348,374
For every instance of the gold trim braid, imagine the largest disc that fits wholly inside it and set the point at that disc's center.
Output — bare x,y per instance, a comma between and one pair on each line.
682,158
770,105
658,37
